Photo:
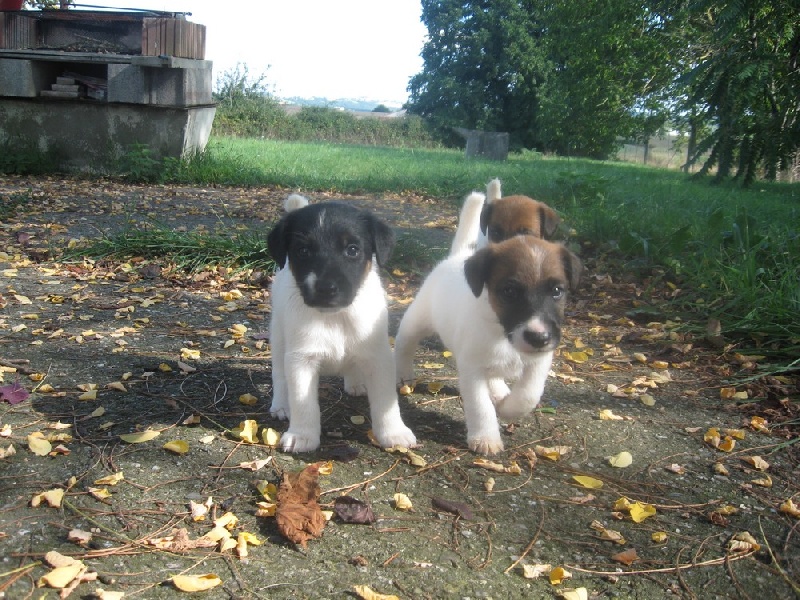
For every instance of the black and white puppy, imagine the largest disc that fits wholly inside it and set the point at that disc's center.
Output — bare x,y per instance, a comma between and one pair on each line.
499,309
329,317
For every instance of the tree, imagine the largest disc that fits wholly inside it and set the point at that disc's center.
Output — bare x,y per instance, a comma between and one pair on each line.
612,61
748,87
482,67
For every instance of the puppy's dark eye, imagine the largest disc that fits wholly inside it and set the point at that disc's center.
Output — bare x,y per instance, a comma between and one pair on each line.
352,251
510,291
496,234
303,251
558,292
524,231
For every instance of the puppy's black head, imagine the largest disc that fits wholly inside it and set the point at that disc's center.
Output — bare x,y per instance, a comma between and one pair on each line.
329,249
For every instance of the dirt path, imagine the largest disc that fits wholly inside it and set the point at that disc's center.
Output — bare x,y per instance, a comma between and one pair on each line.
176,353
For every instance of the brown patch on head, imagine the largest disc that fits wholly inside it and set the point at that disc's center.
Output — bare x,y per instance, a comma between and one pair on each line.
525,277
518,215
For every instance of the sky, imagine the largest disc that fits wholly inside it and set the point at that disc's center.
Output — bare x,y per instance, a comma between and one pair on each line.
328,48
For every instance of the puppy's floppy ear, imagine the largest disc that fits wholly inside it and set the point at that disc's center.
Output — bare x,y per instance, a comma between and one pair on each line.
382,239
549,220
278,241
573,267
477,268
486,216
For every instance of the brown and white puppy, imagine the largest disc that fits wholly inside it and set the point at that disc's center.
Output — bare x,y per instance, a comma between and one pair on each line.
502,218
499,310
329,317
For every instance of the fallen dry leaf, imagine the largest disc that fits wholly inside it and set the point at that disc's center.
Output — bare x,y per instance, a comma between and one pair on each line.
588,482
456,508
627,557
402,502
196,583
558,575
140,436
298,514
352,510
177,446
366,593
621,460
580,593
535,571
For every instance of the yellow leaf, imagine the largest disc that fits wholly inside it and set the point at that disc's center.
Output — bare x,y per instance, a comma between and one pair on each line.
640,511
52,497
196,583
552,452
639,357
576,357
270,437
116,385
447,354
140,436
727,445
325,468
228,521
588,482
558,575
759,424
113,479
429,365
535,571
790,508
659,537
765,481
608,415
721,469
737,434
659,364
99,493
758,463
61,577
647,400
190,354
177,446
621,460
366,593
164,368
88,395
405,390
622,504
38,444
248,399
247,431
357,420
402,502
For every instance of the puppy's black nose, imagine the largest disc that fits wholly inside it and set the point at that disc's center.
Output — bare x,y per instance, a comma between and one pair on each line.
537,339
326,289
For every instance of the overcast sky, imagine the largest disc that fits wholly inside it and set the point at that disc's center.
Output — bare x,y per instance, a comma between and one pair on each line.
330,48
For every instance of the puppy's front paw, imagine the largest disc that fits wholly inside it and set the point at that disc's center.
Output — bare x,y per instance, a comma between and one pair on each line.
498,390
299,442
486,445
515,407
396,436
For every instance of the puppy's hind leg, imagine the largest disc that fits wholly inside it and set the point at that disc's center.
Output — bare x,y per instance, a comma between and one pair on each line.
413,327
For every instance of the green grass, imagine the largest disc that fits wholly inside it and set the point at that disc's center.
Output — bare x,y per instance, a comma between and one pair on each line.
734,252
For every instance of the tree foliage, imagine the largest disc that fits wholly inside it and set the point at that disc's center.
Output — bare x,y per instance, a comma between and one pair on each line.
578,77
748,87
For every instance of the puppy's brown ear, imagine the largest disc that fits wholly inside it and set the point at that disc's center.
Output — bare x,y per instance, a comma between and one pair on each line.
549,220
573,267
278,242
477,269
382,239
486,217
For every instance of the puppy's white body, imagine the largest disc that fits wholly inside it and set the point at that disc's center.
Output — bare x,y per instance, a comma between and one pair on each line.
307,342
485,356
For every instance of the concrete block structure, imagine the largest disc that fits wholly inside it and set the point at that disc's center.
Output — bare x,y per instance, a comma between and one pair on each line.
89,105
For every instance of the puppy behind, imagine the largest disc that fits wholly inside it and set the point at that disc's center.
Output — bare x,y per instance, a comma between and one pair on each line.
499,311
329,316
502,218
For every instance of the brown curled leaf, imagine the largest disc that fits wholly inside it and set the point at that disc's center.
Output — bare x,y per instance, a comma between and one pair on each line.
456,508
